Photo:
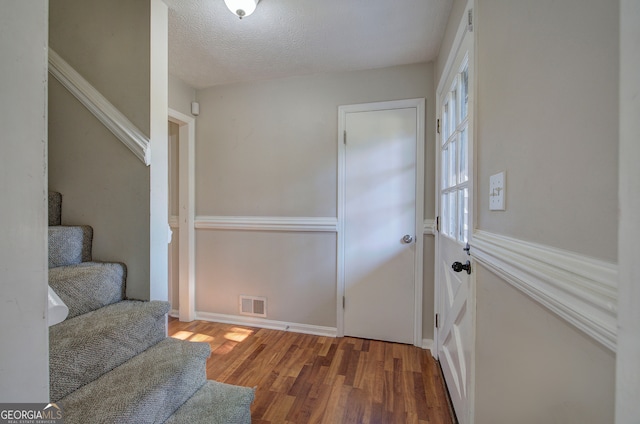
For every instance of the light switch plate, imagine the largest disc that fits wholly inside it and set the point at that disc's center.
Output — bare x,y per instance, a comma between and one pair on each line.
497,191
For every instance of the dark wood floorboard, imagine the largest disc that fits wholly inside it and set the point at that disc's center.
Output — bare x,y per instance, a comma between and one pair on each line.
311,379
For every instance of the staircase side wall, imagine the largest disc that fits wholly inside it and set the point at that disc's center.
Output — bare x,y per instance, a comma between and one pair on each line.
24,346
103,184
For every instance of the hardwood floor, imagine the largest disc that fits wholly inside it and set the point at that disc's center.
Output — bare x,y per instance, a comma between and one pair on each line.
311,379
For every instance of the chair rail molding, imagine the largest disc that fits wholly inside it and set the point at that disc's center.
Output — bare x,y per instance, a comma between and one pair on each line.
580,289
101,108
429,227
267,223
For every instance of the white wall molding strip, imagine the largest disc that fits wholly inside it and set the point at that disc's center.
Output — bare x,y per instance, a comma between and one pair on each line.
267,223
260,223
97,104
427,344
173,221
315,330
429,227
580,289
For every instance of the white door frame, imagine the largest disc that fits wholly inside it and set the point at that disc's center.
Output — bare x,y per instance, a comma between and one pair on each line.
419,105
186,216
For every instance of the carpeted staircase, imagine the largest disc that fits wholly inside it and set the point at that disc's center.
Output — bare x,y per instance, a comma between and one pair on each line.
110,360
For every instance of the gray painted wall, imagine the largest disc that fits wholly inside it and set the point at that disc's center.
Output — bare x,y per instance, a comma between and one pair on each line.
24,350
627,364
547,77
180,95
270,149
548,115
103,184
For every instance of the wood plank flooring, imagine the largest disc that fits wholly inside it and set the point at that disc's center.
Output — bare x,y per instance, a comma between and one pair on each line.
311,379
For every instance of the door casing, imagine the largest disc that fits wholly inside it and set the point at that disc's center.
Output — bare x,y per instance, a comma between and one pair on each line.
186,217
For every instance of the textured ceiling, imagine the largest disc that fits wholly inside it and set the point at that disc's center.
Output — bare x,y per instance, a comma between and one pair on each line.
208,45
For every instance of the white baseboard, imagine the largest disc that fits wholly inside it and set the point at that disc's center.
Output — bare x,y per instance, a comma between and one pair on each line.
427,344
315,330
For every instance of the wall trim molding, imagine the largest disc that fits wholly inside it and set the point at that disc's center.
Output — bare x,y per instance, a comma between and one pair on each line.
185,221
173,221
261,223
101,108
267,223
429,227
315,330
427,344
580,289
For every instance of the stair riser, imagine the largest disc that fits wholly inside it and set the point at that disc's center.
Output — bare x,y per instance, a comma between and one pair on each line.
55,208
69,245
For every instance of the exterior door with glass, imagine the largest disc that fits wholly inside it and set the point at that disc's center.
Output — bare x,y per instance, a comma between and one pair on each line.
455,282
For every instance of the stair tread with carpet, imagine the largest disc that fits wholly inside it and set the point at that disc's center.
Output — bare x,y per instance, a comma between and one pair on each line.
101,340
88,286
110,360
146,389
203,405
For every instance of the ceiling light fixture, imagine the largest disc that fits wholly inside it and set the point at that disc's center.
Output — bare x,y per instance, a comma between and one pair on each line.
241,8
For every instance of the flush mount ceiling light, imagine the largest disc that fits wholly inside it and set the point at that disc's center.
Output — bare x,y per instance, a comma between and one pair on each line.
241,8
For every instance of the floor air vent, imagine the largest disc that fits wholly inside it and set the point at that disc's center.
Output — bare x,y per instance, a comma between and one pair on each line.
253,305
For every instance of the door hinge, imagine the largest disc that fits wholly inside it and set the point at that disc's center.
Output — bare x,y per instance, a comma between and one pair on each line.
438,126
470,20
343,302
437,321
437,224
344,137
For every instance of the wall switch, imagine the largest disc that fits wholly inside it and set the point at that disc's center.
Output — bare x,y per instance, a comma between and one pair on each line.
497,191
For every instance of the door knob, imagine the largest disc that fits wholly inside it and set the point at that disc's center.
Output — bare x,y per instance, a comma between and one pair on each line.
457,267
407,239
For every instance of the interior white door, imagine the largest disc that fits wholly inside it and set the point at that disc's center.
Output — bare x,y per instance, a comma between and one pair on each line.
380,224
455,283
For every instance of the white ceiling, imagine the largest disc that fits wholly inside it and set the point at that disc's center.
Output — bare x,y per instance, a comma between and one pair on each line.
208,45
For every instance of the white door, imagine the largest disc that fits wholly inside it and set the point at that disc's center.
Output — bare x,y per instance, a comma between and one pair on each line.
379,222
456,295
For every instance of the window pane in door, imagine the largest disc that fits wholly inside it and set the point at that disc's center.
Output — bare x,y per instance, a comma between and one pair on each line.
452,179
463,215
452,112
463,174
445,123
444,164
445,213
464,92
452,214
